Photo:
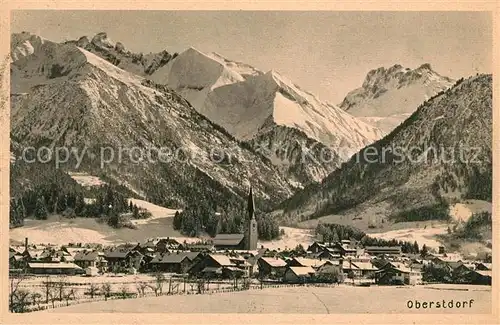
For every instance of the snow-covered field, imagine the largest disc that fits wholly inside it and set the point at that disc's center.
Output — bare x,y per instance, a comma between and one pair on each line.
300,300
463,211
157,211
59,230
86,180
291,238
421,235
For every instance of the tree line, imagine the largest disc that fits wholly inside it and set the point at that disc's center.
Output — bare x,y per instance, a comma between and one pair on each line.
40,190
202,217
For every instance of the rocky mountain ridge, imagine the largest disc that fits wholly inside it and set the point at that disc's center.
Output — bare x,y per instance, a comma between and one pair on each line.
390,95
409,175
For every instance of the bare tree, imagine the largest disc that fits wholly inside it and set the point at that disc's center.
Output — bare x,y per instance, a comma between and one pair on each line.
200,285
93,290
141,287
106,290
21,300
15,281
60,285
159,280
68,295
155,289
124,292
53,295
36,297
47,284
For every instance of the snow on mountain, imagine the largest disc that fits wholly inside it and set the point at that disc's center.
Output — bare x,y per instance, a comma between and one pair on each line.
389,95
441,154
116,53
259,103
194,74
75,98
385,123
249,103
245,70
24,44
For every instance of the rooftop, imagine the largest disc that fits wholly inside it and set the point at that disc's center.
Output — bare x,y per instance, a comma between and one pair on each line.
228,239
223,260
302,270
53,266
275,262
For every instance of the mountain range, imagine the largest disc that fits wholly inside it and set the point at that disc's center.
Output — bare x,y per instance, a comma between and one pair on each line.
231,124
68,96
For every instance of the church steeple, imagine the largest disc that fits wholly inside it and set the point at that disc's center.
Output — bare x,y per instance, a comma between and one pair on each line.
251,205
251,234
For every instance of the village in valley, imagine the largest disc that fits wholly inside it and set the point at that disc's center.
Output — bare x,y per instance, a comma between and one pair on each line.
44,276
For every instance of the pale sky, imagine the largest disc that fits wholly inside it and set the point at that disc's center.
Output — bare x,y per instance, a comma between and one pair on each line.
326,53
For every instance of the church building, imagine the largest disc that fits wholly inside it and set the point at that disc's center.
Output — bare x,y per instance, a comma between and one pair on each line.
246,241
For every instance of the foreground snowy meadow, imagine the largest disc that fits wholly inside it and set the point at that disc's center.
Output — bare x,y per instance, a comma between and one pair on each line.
312,300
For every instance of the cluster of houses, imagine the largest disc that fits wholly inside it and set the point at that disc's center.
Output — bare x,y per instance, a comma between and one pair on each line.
224,258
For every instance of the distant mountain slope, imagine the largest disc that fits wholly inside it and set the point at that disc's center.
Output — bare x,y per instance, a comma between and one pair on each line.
389,95
250,104
403,175
74,98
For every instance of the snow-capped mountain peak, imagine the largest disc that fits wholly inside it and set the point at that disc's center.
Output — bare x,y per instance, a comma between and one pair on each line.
389,95
102,40
24,44
252,105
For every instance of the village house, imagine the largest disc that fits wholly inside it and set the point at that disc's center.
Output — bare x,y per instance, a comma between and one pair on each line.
298,274
215,266
160,244
252,257
482,266
365,269
53,255
271,267
480,277
176,262
349,269
17,262
330,271
343,249
32,253
171,263
71,250
316,248
398,273
327,254
91,258
122,259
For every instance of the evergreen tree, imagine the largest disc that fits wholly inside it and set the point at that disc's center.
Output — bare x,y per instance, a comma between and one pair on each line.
41,211
424,251
135,212
416,249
